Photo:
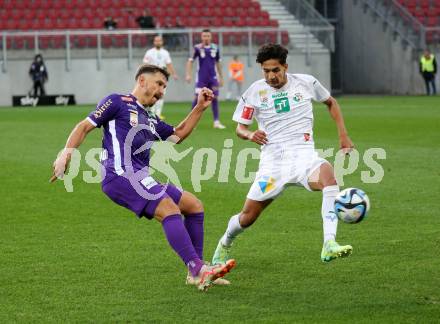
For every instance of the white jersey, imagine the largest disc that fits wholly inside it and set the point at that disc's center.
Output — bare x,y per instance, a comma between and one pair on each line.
160,57
285,114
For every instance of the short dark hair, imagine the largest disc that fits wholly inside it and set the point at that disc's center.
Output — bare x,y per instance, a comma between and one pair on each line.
148,68
206,30
272,51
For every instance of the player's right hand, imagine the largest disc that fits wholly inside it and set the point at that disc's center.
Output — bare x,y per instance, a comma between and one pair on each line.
59,167
188,79
258,137
205,97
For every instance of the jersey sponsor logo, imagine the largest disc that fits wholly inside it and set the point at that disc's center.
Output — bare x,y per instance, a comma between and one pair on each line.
247,113
306,137
134,120
127,99
279,95
282,105
266,184
98,112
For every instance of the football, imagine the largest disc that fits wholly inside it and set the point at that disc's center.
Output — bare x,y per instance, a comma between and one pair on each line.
352,205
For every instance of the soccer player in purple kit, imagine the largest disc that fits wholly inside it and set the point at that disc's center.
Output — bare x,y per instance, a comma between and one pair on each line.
129,128
208,55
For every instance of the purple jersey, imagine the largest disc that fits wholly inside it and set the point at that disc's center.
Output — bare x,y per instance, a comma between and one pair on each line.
128,127
208,57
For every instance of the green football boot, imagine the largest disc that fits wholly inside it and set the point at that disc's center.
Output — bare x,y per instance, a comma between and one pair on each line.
332,250
222,254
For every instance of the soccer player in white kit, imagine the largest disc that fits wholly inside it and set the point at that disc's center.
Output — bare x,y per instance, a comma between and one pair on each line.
160,57
282,105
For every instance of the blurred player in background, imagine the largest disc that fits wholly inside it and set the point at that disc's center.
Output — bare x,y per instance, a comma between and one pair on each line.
236,77
130,127
208,55
282,105
160,57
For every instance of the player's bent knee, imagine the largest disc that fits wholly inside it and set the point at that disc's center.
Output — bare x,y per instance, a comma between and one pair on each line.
166,208
190,204
322,177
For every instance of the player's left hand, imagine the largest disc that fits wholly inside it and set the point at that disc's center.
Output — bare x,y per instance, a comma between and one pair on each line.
220,82
175,77
205,98
346,144
59,168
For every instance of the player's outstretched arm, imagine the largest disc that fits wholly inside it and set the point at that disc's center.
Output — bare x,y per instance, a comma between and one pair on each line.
75,139
335,112
185,128
257,136
220,73
173,72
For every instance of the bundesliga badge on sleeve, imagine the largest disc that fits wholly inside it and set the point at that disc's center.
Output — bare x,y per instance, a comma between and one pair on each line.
247,113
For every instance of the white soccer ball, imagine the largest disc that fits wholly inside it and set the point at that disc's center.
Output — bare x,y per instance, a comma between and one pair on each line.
352,205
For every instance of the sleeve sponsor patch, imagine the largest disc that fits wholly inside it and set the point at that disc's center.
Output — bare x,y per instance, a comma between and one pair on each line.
98,112
247,113
126,99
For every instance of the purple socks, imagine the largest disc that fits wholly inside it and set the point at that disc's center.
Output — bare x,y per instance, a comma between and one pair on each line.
180,241
214,107
194,226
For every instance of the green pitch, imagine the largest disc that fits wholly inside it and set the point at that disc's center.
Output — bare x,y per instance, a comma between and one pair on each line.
77,257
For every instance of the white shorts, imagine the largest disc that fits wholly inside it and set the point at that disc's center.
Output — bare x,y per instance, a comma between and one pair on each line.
281,166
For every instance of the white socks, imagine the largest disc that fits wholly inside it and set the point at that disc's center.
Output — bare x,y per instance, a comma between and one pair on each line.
232,231
329,218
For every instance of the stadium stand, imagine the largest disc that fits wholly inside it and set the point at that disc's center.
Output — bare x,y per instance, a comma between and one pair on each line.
427,12
31,15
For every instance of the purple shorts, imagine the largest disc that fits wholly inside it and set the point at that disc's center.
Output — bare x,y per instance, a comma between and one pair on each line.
210,84
142,197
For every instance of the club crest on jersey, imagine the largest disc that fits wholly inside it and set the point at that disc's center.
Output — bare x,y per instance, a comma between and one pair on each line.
266,184
134,118
307,137
263,97
298,97
152,127
247,113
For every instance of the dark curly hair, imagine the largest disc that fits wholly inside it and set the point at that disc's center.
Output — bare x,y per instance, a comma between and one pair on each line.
272,51
148,68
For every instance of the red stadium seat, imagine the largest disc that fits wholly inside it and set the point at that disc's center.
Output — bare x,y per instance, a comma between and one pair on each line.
28,14
285,37
29,42
58,41
432,21
273,23
24,25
